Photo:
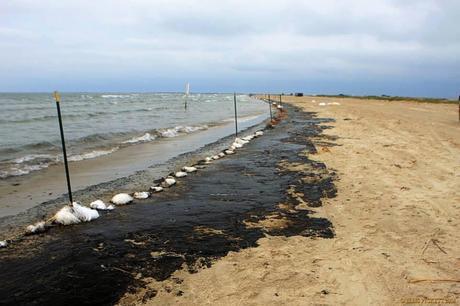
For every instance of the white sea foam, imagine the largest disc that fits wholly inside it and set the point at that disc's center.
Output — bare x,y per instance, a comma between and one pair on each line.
31,157
22,170
169,133
92,154
144,138
114,96
175,131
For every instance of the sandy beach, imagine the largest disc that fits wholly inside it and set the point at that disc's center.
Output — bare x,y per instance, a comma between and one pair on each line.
351,202
395,217
230,153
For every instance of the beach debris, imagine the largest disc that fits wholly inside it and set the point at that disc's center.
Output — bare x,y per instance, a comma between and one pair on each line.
38,227
228,152
240,141
273,103
258,133
75,214
65,216
3,244
180,174
279,107
322,104
168,182
189,169
156,188
84,213
201,163
333,103
100,205
199,166
236,145
221,154
248,138
141,195
121,199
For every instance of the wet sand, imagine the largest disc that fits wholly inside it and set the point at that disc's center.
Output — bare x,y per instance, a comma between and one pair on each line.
228,206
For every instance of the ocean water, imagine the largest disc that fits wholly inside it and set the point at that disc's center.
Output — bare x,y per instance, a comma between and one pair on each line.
100,124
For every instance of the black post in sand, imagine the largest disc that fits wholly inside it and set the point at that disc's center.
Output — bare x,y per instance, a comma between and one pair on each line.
57,97
270,106
268,98
280,99
236,116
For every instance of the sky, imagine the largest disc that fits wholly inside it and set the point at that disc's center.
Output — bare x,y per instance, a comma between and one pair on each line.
360,47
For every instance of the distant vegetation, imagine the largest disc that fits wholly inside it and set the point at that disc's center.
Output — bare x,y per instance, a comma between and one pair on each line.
393,98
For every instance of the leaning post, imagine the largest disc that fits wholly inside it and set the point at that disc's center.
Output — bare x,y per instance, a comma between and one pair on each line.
57,98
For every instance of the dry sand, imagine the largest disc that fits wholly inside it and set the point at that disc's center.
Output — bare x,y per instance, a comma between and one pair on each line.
396,219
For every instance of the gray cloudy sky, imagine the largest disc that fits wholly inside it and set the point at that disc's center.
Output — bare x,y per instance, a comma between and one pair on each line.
405,47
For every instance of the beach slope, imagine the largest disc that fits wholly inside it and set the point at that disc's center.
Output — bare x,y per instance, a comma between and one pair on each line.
396,217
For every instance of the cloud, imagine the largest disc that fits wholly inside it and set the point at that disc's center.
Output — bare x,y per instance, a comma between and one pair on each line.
228,45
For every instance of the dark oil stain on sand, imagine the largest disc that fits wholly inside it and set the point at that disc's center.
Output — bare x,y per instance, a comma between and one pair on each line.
189,226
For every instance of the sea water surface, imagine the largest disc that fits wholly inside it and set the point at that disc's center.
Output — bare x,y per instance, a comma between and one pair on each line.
99,124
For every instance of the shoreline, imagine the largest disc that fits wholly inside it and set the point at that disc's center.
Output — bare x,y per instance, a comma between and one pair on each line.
137,171
225,207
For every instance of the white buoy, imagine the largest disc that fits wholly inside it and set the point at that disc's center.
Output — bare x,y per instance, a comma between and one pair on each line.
189,169
228,152
279,107
3,244
121,199
215,157
322,104
65,216
221,154
258,133
180,174
100,205
208,159
156,188
141,195
36,228
248,138
84,213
